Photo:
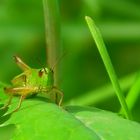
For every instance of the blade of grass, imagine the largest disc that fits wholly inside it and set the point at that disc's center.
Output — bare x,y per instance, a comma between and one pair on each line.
102,93
52,25
133,93
109,67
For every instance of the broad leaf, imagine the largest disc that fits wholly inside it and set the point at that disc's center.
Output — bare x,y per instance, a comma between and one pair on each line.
6,132
107,125
40,119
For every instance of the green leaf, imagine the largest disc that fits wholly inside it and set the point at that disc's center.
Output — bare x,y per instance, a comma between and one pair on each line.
4,118
46,121
38,119
2,94
107,125
3,111
6,132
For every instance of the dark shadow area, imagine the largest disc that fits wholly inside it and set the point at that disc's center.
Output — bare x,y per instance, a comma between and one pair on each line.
3,111
75,109
44,99
1,105
4,118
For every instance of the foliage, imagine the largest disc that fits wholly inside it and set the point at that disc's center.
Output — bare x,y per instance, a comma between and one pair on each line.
82,75
40,119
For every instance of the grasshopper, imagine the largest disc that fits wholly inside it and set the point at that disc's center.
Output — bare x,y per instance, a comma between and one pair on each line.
31,82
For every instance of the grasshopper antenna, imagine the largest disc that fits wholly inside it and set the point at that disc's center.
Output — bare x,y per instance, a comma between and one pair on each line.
39,62
58,60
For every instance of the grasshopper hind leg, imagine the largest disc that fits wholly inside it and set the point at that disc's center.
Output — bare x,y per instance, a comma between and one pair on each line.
21,64
23,91
22,97
8,103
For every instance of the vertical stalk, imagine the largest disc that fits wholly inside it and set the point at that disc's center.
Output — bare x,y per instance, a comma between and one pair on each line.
52,27
108,64
133,94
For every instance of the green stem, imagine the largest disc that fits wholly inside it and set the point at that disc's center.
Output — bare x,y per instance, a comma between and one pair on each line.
109,67
133,94
52,25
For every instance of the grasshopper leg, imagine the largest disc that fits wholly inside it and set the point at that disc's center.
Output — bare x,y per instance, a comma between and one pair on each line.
22,97
23,91
8,103
61,95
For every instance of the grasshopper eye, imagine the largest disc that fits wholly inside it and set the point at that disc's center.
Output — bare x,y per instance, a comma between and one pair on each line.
41,72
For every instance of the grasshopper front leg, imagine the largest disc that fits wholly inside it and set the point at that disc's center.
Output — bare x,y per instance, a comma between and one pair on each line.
55,91
60,93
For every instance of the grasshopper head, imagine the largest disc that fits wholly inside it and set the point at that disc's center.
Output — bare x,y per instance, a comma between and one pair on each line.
46,73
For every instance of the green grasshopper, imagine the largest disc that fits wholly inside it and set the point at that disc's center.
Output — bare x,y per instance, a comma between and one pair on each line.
31,82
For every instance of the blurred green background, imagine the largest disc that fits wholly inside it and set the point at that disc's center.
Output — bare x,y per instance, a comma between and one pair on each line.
22,32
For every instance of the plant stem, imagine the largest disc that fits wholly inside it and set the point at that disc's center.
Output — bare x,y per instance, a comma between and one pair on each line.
52,25
133,94
109,67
